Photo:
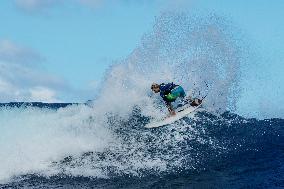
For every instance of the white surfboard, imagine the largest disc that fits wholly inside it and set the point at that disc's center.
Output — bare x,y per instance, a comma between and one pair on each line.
169,120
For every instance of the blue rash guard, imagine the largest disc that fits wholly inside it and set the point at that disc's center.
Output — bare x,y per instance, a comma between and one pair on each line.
170,92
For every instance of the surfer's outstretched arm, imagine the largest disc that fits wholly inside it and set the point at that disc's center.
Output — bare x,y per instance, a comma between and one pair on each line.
170,108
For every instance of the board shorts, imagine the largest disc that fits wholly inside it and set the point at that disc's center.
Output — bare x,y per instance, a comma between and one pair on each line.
175,93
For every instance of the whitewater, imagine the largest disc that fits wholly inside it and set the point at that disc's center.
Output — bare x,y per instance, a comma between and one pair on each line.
105,145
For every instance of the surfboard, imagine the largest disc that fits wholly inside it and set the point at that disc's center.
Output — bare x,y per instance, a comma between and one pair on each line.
169,120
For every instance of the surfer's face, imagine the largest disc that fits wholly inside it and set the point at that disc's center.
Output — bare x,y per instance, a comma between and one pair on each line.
155,88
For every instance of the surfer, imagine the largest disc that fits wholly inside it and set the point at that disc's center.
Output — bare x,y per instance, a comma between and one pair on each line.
170,92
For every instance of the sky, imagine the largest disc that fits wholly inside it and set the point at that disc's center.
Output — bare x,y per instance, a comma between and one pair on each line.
59,50
70,43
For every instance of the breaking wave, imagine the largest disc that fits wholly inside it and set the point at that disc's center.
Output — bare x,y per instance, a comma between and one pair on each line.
107,140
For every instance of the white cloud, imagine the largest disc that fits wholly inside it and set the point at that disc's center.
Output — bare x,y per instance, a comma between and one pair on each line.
20,83
39,5
43,94
6,89
35,5
21,78
14,53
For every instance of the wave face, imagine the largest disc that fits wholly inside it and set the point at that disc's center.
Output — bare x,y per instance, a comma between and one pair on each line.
222,151
106,145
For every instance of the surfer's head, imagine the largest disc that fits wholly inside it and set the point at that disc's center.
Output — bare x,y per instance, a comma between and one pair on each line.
155,87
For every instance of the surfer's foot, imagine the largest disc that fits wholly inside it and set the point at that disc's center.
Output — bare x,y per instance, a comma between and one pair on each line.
171,114
196,102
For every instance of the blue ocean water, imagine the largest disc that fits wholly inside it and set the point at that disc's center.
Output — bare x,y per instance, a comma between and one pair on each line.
103,144
203,151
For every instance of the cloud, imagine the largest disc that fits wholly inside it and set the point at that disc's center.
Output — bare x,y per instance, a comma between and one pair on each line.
14,53
7,88
39,5
35,5
22,79
43,94
20,83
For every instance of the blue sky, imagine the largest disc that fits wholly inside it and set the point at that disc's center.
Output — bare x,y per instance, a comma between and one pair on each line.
70,44
76,40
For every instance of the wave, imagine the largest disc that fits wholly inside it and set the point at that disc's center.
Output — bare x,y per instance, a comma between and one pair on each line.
71,143
190,51
31,138
107,139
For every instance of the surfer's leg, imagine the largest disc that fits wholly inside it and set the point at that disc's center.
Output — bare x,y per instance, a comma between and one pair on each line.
170,108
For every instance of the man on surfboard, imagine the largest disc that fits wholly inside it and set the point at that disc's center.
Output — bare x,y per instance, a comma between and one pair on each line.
170,92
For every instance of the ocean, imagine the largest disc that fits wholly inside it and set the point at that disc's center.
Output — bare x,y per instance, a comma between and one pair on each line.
103,144
61,146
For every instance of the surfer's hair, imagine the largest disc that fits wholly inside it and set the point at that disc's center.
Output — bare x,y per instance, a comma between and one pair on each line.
154,86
